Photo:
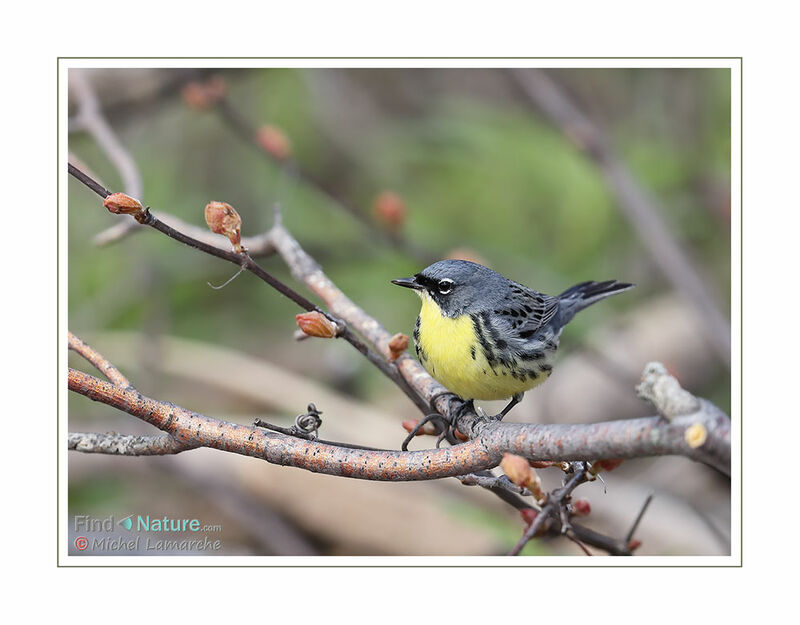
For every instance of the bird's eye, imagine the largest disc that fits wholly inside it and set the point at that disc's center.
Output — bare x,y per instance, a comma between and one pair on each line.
445,286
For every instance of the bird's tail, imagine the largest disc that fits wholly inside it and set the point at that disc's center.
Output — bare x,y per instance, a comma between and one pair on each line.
578,297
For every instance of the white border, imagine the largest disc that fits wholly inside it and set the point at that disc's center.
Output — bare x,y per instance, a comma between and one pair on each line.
734,559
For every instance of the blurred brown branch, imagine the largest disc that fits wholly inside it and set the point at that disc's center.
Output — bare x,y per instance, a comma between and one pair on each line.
90,118
638,206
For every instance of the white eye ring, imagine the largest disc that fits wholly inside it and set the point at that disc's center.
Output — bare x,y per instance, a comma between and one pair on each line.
445,286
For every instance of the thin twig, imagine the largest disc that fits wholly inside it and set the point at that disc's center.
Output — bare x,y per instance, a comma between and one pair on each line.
574,538
492,482
638,519
293,431
552,507
98,361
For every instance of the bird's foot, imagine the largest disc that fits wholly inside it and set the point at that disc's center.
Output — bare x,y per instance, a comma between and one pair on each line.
445,427
441,423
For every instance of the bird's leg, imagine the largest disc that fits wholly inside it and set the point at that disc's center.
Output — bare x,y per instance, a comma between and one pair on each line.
449,432
448,429
467,406
514,401
445,426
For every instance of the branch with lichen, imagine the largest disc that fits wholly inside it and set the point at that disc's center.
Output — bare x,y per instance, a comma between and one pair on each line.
612,439
117,444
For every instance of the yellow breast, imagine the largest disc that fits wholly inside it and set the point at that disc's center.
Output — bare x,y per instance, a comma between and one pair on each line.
450,351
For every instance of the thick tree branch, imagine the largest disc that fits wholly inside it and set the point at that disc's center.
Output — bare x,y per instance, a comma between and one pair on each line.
635,438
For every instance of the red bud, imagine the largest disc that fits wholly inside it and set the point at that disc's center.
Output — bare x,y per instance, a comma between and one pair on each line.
606,465
428,428
634,544
581,507
121,204
201,96
316,324
274,141
520,472
528,515
390,209
397,345
222,218
516,469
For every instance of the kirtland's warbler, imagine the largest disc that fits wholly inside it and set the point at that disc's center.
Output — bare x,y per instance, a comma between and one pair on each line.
484,336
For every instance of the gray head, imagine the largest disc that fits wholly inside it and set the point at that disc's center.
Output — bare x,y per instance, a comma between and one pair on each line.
458,286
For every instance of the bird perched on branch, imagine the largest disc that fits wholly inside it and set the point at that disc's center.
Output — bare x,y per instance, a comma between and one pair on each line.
486,337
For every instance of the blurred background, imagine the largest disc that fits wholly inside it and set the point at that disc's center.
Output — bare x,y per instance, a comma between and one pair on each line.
550,178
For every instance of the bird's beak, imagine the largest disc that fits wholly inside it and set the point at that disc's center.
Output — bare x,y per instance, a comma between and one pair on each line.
409,283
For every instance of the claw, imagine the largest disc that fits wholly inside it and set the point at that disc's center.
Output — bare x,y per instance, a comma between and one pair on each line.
448,426
428,418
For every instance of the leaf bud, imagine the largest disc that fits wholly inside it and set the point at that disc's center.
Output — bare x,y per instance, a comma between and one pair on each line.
222,218
316,324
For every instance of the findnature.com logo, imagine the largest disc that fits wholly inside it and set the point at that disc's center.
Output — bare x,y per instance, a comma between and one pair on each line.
96,535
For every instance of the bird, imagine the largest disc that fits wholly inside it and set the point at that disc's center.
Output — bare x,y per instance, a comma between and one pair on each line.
485,337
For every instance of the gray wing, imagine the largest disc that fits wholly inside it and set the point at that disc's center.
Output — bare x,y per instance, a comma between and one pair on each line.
515,323
529,311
